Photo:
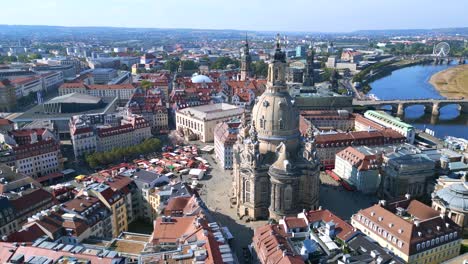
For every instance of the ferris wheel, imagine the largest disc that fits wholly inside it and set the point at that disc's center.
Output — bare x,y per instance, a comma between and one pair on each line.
442,49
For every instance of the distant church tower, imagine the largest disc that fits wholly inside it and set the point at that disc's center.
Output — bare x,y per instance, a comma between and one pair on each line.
246,61
276,172
308,76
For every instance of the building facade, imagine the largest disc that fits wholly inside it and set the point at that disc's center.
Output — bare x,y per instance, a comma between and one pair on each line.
105,132
411,230
199,122
360,167
121,91
407,173
275,174
34,152
452,201
7,96
151,105
225,136
392,122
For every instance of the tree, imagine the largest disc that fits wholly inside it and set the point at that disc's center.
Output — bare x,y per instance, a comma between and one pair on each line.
23,58
124,67
145,84
260,68
222,62
189,65
35,56
171,65
91,160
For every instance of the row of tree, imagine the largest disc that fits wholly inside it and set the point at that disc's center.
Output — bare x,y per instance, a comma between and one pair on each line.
172,65
117,155
20,58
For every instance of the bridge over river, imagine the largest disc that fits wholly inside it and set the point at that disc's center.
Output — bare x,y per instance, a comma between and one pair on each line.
398,106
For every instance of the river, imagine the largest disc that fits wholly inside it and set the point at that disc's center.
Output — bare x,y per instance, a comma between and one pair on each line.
413,83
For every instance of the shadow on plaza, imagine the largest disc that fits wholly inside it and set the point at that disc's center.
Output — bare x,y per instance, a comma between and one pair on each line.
242,233
344,203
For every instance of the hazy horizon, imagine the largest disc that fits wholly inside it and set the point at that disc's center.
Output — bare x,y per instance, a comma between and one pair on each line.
254,15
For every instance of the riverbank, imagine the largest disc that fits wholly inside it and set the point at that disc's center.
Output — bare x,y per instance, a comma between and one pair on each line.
381,70
452,82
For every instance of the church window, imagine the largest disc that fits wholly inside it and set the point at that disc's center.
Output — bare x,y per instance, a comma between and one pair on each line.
288,192
247,191
281,124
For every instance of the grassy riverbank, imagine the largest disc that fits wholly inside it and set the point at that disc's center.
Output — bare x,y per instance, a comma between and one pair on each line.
382,69
453,82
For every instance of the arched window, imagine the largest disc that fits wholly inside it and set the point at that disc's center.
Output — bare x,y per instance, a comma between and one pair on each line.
247,191
288,193
281,124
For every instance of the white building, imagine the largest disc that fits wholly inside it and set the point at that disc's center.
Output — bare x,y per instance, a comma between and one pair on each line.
225,136
121,91
360,166
200,121
34,152
89,135
393,123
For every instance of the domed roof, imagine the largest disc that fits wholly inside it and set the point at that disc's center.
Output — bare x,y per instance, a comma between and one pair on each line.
199,78
455,196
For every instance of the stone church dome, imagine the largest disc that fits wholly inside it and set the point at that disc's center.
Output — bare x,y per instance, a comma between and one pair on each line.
199,78
276,119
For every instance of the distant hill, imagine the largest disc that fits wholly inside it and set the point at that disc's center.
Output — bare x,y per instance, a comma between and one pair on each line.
414,32
121,33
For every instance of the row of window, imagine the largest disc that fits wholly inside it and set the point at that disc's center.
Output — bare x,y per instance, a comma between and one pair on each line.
436,241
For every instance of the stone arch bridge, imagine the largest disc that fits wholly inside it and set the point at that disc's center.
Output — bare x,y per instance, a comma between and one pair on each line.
432,106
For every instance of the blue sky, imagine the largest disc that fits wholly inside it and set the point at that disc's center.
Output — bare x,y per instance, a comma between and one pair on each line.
284,15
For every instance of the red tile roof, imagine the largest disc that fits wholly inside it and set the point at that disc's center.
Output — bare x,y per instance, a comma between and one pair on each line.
344,231
422,224
270,243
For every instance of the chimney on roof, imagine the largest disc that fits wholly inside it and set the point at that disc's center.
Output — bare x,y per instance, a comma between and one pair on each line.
320,208
383,202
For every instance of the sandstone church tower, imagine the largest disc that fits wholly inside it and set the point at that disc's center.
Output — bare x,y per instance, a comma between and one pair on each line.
246,61
276,173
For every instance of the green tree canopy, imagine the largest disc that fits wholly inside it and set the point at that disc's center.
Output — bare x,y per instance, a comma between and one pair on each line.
260,68
171,65
222,62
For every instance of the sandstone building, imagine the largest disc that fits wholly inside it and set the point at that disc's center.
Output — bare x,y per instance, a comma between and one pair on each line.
275,173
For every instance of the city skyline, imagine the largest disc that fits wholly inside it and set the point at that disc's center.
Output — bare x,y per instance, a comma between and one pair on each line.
243,15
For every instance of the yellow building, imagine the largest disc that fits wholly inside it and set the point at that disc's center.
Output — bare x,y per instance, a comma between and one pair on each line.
154,200
411,230
115,202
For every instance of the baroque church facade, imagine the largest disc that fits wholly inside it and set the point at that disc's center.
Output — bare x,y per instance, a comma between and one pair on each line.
276,172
